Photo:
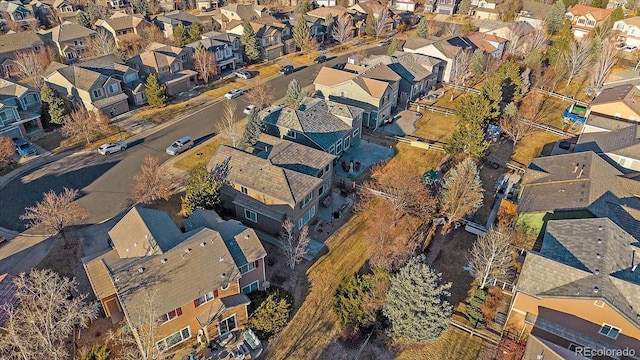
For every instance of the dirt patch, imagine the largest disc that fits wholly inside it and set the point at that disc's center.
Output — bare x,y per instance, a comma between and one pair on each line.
173,206
50,140
452,344
64,257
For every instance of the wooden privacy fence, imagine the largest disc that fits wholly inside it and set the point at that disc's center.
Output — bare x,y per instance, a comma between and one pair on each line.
562,97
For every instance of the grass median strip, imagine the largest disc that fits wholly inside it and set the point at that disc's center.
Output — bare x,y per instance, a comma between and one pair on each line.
160,115
201,154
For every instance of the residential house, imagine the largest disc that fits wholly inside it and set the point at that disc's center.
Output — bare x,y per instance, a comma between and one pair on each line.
374,96
487,25
490,44
336,12
84,86
273,180
446,7
620,146
322,124
19,14
43,12
15,44
275,39
578,184
619,102
580,290
518,35
112,66
484,9
170,20
207,5
19,109
628,30
446,49
316,26
535,13
585,18
124,28
8,295
226,48
193,279
361,9
114,4
72,41
419,73
405,5
243,12
64,10
171,65
326,3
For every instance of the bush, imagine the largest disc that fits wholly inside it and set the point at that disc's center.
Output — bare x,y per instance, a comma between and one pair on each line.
257,297
349,301
473,310
270,317
491,303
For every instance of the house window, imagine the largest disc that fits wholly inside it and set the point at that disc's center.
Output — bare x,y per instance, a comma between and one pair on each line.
174,339
609,331
203,299
244,190
306,200
247,267
291,133
347,142
339,147
342,94
591,23
250,215
307,216
36,48
323,189
332,149
227,325
112,88
97,93
251,287
171,315
130,78
71,55
581,21
356,132
176,67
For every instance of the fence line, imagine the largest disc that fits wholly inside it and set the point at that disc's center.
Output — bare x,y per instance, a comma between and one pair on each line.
417,142
546,128
473,332
514,167
562,97
464,88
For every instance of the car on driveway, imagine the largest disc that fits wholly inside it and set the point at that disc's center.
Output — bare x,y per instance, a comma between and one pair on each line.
320,59
23,147
384,43
249,109
110,148
286,70
181,145
243,74
233,93
339,66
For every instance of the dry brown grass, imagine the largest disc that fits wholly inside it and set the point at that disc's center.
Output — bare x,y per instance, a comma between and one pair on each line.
265,70
220,88
50,140
452,344
314,325
304,58
112,134
435,126
531,146
422,160
173,207
191,160
63,257
160,115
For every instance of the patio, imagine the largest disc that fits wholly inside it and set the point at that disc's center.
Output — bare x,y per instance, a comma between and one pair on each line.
334,209
360,156
236,345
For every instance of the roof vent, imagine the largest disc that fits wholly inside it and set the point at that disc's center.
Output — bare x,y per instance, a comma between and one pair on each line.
163,261
634,267
127,249
596,271
221,258
141,270
595,290
202,244
600,227
598,256
599,241
223,275
187,250
246,236
116,279
575,170
135,244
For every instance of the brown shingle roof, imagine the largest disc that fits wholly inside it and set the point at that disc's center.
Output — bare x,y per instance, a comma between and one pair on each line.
628,94
598,13
99,275
67,31
322,12
24,40
332,77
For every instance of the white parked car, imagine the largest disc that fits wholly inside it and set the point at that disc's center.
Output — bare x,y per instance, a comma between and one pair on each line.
110,148
243,74
631,49
248,109
181,145
233,93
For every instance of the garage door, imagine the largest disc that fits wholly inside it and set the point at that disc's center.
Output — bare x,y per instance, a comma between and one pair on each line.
444,11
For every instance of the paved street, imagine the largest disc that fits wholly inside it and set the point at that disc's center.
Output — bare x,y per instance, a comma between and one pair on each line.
105,182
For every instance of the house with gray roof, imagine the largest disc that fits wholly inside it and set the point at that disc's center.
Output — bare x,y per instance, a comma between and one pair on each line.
15,44
124,28
582,289
273,180
171,64
19,109
198,280
170,20
19,14
72,41
447,49
582,184
322,124
620,146
89,88
225,47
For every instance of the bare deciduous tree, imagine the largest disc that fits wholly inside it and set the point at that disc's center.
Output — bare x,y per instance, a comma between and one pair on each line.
460,68
7,149
145,322
56,212
228,123
83,123
49,311
151,184
382,20
490,257
515,128
343,29
451,29
461,193
29,66
607,58
577,58
261,95
294,244
538,40
102,43
204,62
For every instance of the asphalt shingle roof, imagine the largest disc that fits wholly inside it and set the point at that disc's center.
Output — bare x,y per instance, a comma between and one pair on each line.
67,31
24,40
8,295
291,155
623,142
585,258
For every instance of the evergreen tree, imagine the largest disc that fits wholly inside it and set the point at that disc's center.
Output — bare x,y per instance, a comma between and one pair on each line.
180,35
492,91
370,24
194,32
301,33
467,141
393,47
555,17
252,130
156,92
512,84
304,6
617,14
53,106
599,3
201,192
478,62
422,30
461,192
473,309
94,13
560,45
249,43
328,22
464,7
569,3
349,301
416,303
141,7
271,316
83,20
473,109
294,95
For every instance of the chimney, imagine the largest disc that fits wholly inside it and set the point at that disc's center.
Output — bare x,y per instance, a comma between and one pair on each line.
581,171
576,168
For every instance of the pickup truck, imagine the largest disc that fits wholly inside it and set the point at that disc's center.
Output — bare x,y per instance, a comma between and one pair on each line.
575,114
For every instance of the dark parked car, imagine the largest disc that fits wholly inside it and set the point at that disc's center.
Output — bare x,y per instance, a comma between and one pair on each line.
320,59
23,148
286,70
339,66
